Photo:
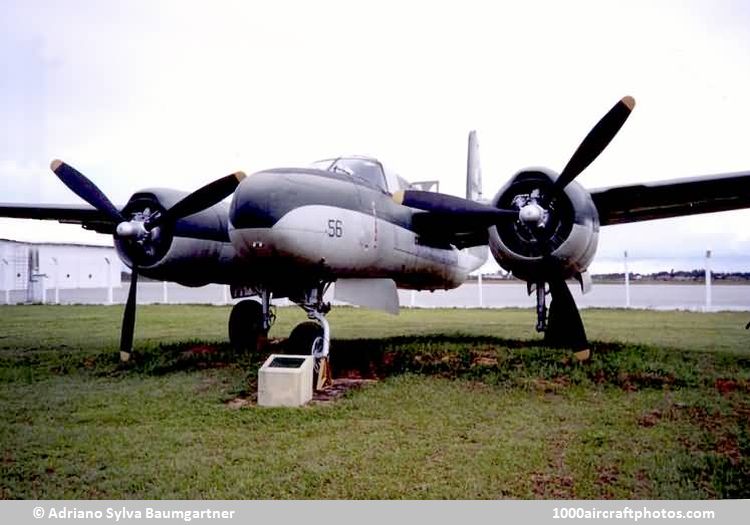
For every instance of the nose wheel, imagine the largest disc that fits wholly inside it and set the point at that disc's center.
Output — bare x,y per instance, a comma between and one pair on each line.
306,339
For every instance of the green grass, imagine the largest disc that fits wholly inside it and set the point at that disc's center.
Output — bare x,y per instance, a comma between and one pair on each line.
469,405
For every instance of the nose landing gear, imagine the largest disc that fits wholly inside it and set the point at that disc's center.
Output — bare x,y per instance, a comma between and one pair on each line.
314,337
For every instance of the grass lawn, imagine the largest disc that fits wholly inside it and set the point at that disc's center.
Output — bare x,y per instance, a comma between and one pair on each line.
469,404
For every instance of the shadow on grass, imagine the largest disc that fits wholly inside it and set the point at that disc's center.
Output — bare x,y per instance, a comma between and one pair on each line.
492,360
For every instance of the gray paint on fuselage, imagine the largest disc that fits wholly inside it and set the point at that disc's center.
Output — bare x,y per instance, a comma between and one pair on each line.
263,198
388,247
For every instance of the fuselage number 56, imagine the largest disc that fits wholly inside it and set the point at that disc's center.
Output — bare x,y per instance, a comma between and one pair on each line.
335,228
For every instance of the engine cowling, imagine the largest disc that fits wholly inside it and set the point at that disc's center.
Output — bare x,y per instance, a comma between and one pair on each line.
194,251
559,237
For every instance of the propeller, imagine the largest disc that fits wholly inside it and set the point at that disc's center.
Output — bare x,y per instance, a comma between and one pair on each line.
128,319
533,213
565,326
595,142
85,189
196,201
441,203
199,200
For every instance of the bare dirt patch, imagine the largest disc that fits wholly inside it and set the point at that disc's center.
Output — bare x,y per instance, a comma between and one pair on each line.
340,387
726,386
607,475
556,482
650,419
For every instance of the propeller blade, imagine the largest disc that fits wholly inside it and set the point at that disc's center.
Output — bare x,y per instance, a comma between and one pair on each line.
441,203
199,200
595,142
565,327
128,319
85,189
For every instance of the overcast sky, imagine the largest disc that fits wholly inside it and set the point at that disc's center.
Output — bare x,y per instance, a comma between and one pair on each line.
154,93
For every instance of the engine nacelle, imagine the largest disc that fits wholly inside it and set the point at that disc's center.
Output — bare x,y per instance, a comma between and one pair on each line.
193,252
568,230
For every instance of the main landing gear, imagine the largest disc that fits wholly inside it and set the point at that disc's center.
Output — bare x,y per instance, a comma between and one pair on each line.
250,321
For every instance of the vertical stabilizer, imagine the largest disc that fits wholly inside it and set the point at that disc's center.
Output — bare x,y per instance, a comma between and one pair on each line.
473,170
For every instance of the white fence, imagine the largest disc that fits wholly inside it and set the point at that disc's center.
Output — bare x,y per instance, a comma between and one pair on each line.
485,292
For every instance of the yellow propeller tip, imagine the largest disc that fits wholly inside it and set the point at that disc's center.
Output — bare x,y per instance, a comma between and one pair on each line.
56,163
239,176
398,197
629,102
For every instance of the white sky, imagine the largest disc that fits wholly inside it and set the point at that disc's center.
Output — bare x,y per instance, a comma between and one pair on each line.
139,93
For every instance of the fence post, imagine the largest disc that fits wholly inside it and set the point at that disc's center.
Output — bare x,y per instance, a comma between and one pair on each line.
708,279
110,299
164,297
627,280
5,279
57,280
481,291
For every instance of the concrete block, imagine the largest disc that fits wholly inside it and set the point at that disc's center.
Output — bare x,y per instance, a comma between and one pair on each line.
285,381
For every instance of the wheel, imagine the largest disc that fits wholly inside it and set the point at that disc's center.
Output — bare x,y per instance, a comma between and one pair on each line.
304,338
246,325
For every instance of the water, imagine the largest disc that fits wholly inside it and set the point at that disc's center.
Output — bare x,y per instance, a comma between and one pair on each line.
649,296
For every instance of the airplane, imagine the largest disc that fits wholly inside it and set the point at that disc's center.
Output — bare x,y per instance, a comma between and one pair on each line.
292,232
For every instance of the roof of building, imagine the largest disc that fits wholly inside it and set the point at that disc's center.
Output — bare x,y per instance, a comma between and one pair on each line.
71,244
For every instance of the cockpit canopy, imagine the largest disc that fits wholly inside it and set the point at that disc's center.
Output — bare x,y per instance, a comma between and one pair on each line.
365,169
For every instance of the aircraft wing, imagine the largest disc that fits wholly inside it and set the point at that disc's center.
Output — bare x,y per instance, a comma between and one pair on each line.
672,198
83,214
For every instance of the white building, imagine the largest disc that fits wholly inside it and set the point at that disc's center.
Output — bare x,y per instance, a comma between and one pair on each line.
37,268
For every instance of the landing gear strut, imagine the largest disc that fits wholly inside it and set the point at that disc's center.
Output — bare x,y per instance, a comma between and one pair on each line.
563,325
541,308
314,337
250,322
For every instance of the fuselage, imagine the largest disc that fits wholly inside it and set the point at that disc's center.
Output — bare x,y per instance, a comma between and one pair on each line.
293,225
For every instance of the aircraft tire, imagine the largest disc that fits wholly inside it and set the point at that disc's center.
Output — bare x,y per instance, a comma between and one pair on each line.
303,337
246,325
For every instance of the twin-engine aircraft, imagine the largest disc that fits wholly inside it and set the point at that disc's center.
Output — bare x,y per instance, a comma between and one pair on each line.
292,232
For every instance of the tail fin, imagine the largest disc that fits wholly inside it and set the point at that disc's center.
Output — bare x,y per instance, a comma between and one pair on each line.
473,170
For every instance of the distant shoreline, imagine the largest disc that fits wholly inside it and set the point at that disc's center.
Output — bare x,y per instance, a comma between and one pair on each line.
633,282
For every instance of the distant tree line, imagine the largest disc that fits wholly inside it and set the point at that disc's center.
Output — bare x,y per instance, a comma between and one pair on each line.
698,275
692,276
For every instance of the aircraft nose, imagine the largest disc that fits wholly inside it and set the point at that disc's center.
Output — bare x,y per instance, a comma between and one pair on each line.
258,201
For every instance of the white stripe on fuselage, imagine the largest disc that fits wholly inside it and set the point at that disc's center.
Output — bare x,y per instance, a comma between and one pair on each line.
355,244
